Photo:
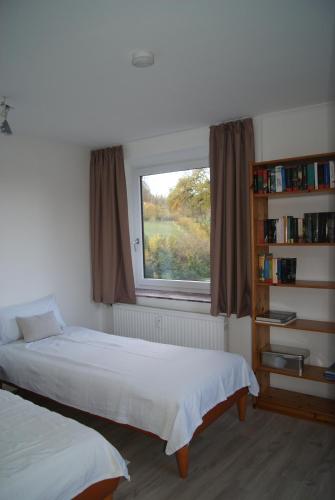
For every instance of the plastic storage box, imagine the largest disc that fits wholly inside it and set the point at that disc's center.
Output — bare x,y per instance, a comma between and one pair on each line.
284,357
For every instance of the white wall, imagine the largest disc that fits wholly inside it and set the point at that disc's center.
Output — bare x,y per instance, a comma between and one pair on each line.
295,132
44,226
288,133
44,223
292,132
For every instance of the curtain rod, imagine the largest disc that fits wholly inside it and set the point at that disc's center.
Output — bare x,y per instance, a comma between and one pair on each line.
231,120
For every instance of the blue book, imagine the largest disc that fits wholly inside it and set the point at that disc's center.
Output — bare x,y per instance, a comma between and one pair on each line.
330,372
326,174
283,178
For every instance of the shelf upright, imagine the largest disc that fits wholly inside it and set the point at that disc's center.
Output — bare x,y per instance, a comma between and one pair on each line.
272,398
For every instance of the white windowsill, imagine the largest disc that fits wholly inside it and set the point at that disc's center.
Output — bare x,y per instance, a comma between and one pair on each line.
186,296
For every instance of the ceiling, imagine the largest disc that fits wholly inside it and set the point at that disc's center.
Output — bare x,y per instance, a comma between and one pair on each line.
66,64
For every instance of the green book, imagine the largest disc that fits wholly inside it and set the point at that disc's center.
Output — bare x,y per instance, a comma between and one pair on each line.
310,177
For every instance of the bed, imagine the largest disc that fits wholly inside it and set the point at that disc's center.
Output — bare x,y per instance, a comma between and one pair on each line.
45,455
167,391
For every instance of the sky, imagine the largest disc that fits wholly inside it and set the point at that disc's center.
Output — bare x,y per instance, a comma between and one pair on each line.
160,184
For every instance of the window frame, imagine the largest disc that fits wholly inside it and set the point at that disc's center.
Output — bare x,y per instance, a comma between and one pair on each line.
137,228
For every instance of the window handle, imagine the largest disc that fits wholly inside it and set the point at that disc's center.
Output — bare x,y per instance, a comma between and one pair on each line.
136,243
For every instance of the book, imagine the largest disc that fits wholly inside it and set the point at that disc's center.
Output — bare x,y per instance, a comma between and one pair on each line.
310,177
300,229
260,180
279,317
269,322
255,182
280,230
280,270
330,230
268,269
326,172
283,178
316,184
321,176
294,178
274,270
279,184
329,374
332,174
319,227
287,269
261,261
265,180
304,178
288,175
301,177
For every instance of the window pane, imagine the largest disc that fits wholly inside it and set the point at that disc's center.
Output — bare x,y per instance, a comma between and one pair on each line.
176,225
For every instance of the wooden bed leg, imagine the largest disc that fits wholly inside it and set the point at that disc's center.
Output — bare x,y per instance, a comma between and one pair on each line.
242,407
182,461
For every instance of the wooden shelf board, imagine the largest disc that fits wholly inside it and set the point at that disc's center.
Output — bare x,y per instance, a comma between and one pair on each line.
283,401
286,194
310,372
309,325
296,160
303,244
297,405
330,285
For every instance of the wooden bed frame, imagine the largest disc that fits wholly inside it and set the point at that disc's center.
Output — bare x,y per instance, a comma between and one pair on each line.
103,490
239,397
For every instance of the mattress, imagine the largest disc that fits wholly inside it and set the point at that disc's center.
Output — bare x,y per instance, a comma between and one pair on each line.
45,455
159,388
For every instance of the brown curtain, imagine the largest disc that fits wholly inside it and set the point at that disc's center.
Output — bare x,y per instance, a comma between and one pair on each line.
231,149
112,273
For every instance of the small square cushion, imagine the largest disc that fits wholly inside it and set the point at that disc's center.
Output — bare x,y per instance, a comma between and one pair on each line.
39,326
9,330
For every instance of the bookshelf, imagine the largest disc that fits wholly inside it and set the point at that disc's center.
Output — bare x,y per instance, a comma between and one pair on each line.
285,401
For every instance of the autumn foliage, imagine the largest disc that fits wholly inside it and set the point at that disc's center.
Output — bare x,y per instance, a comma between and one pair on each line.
177,229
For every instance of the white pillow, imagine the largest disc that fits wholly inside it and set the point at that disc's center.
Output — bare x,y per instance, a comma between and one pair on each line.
40,326
9,330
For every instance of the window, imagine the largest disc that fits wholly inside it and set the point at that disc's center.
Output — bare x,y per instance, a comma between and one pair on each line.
172,228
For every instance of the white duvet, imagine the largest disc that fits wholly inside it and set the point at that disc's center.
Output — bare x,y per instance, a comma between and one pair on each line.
44,455
163,389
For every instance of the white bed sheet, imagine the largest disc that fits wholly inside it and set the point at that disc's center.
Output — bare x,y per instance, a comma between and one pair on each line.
44,455
163,389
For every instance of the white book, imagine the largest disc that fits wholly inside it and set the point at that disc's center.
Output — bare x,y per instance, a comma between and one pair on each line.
279,182
316,184
274,270
300,229
280,230
332,174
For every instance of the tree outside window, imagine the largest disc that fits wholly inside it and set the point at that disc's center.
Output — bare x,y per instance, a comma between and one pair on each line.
176,225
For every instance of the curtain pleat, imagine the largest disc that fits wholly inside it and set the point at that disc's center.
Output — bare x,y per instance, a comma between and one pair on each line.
112,272
231,150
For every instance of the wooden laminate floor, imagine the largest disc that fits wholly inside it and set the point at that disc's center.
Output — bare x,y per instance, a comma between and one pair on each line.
269,456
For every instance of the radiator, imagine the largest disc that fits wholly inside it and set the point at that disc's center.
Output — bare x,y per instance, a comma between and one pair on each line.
170,327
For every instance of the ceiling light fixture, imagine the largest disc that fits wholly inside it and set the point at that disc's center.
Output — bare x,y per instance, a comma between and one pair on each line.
4,125
142,58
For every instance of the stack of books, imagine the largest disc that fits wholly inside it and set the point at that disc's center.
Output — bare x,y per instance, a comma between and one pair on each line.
285,229
276,317
329,374
305,177
319,227
276,270
312,228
